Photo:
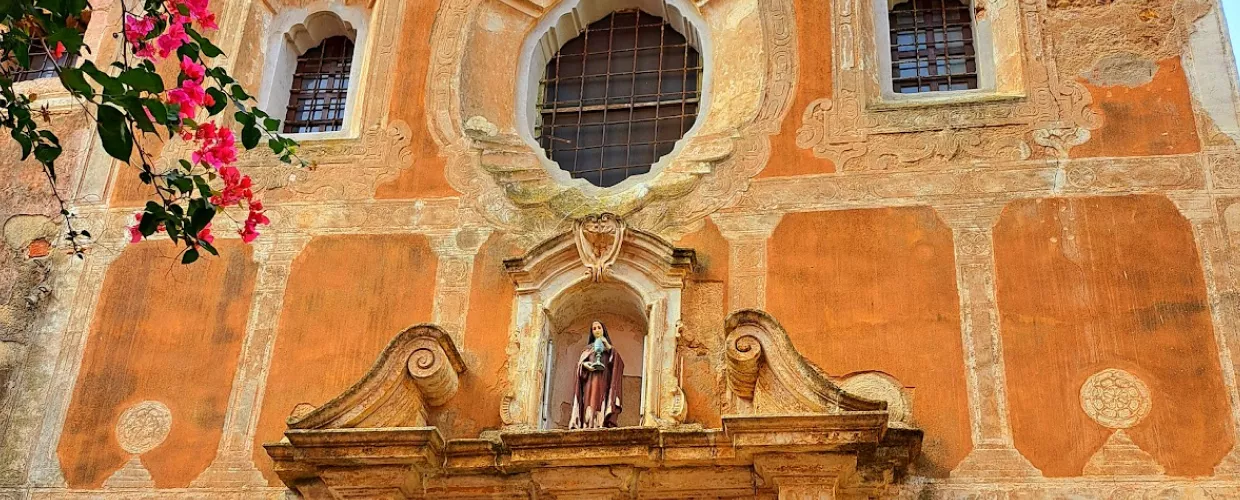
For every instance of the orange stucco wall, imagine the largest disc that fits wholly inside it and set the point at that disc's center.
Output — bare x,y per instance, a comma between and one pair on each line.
865,290
1089,284
703,312
1154,119
347,297
164,332
813,82
424,177
475,407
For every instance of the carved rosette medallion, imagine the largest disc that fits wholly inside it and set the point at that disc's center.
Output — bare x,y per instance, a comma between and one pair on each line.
1115,399
1118,400
143,427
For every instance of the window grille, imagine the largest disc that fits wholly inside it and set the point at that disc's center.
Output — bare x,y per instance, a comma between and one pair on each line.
617,98
932,46
42,63
320,86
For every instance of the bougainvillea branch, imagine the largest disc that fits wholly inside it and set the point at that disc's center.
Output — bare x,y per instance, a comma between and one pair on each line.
130,100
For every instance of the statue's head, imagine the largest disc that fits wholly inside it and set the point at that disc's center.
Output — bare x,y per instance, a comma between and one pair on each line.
597,329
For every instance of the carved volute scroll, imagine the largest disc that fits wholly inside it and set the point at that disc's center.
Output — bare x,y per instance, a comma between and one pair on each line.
766,372
418,369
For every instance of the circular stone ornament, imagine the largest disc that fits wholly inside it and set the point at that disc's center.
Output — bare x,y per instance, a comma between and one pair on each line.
1115,398
143,427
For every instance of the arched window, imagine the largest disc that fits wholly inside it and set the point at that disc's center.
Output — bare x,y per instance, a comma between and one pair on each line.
932,46
617,97
313,69
320,89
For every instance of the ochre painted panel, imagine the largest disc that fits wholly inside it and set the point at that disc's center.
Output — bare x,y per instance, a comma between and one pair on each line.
814,61
165,332
347,297
1095,283
424,177
1153,119
864,290
475,407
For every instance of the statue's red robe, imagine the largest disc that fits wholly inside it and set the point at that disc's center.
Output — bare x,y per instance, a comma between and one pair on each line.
596,395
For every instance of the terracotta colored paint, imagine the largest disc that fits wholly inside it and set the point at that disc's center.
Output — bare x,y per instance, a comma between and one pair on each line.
162,332
1129,294
1154,119
347,297
876,290
813,82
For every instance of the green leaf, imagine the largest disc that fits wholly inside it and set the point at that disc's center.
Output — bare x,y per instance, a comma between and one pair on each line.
201,216
75,81
138,113
142,80
110,85
158,110
71,38
208,49
208,247
250,136
271,124
238,93
46,154
276,146
114,133
244,118
190,256
220,99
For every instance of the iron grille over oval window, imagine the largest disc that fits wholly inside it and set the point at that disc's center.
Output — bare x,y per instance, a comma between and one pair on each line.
932,46
617,98
317,99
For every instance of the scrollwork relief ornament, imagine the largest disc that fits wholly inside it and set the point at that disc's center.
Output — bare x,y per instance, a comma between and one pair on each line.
506,179
599,238
1117,399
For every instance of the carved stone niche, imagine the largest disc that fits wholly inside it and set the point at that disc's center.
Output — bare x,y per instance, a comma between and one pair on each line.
600,268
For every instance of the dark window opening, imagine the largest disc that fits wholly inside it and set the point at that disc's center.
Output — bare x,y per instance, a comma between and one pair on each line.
932,46
42,63
316,102
617,98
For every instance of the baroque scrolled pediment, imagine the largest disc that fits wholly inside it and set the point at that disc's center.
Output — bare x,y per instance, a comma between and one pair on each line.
766,375
417,370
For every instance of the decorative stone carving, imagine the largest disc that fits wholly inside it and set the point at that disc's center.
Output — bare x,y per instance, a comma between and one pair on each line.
502,177
417,370
880,386
859,128
599,238
767,373
140,429
1118,400
647,275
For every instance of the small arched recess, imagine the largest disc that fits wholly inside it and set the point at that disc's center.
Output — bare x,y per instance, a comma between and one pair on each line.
556,299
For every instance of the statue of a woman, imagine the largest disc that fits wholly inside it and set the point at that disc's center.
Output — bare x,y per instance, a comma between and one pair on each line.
600,377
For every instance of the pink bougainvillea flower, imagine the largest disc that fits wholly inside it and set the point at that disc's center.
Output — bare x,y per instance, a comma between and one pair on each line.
237,187
137,28
205,235
255,219
193,70
198,11
189,97
172,39
218,146
135,235
59,51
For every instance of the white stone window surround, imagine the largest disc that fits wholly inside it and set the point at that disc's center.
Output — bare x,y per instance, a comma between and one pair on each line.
999,67
565,23
294,31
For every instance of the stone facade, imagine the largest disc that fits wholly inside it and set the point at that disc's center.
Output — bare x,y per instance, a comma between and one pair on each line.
1030,290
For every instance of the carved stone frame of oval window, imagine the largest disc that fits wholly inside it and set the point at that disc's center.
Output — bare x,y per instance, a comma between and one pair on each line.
566,22
503,174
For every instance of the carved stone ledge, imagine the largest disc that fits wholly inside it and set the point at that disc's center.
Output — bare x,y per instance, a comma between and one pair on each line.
767,374
802,454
